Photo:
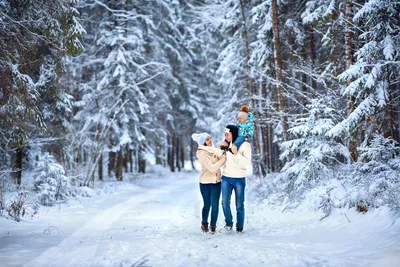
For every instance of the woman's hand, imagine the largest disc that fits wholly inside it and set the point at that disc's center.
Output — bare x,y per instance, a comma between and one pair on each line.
224,156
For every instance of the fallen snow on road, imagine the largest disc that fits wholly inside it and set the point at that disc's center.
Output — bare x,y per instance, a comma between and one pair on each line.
156,222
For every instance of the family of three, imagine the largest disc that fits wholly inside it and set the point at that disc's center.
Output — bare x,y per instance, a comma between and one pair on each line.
234,157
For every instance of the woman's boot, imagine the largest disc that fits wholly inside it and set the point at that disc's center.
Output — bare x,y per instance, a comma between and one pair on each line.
204,227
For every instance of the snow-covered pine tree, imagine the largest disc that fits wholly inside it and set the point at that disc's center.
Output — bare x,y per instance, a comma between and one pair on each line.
150,66
375,73
224,20
31,63
375,178
89,117
56,101
110,102
311,155
50,182
318,10
124,68
266,103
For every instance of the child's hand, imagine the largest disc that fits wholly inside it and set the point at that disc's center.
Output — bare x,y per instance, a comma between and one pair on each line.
234,149
224,144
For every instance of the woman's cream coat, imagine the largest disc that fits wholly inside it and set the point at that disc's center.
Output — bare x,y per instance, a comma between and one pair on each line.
211,160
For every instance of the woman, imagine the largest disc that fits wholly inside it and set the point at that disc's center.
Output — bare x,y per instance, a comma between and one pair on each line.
211,160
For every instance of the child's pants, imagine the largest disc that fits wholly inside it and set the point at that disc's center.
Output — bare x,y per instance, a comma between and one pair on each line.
239,141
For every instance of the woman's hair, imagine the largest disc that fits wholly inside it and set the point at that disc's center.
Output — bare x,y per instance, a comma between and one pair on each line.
206,141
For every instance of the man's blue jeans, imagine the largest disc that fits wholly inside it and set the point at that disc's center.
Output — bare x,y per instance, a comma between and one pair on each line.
239,185
210,194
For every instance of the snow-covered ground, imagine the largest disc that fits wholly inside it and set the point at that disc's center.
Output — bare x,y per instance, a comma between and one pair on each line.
156,222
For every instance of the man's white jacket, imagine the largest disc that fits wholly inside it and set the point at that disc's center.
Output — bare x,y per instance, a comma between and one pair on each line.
236,166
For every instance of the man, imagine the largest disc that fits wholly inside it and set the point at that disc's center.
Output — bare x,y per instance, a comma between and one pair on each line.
233,178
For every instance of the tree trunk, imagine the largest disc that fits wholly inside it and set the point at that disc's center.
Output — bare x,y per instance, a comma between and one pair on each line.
278,59
271,156
177,150
18,166
165,151
182,146
158,152
111,162
120,164
312,55
100,163
264,129
304,90
349,62
391,107
168,150
126,158
142,162
100,167
131,160
192,153
76,99
246,39
2,191
266,148
137,159
85,157
172,154
78,157
396,108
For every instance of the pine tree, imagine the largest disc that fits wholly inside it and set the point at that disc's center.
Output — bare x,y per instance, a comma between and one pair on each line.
36,37
50,182
312,155
375,70
375,177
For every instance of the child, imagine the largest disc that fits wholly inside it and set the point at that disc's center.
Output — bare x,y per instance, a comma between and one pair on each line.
246,128
245,125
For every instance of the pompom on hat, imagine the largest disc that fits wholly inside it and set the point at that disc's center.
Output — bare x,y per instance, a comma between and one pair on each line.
244,112
244,109
200,138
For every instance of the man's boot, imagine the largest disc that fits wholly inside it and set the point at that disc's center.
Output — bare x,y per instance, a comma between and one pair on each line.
228,227
213,228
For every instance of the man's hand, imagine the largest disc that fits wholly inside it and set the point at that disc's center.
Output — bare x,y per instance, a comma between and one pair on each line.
234,149
223,146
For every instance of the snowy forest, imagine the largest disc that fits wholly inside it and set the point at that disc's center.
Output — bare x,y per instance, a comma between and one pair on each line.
101,89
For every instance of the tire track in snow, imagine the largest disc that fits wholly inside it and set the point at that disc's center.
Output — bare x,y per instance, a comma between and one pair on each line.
147,231
80,248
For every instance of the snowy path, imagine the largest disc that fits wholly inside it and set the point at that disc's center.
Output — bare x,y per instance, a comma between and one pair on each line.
159,222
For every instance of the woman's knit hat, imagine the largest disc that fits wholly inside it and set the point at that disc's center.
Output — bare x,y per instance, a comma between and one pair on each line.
200,138
244,113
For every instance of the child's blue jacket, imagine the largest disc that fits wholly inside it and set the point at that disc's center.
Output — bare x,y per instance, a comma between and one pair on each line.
247,128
